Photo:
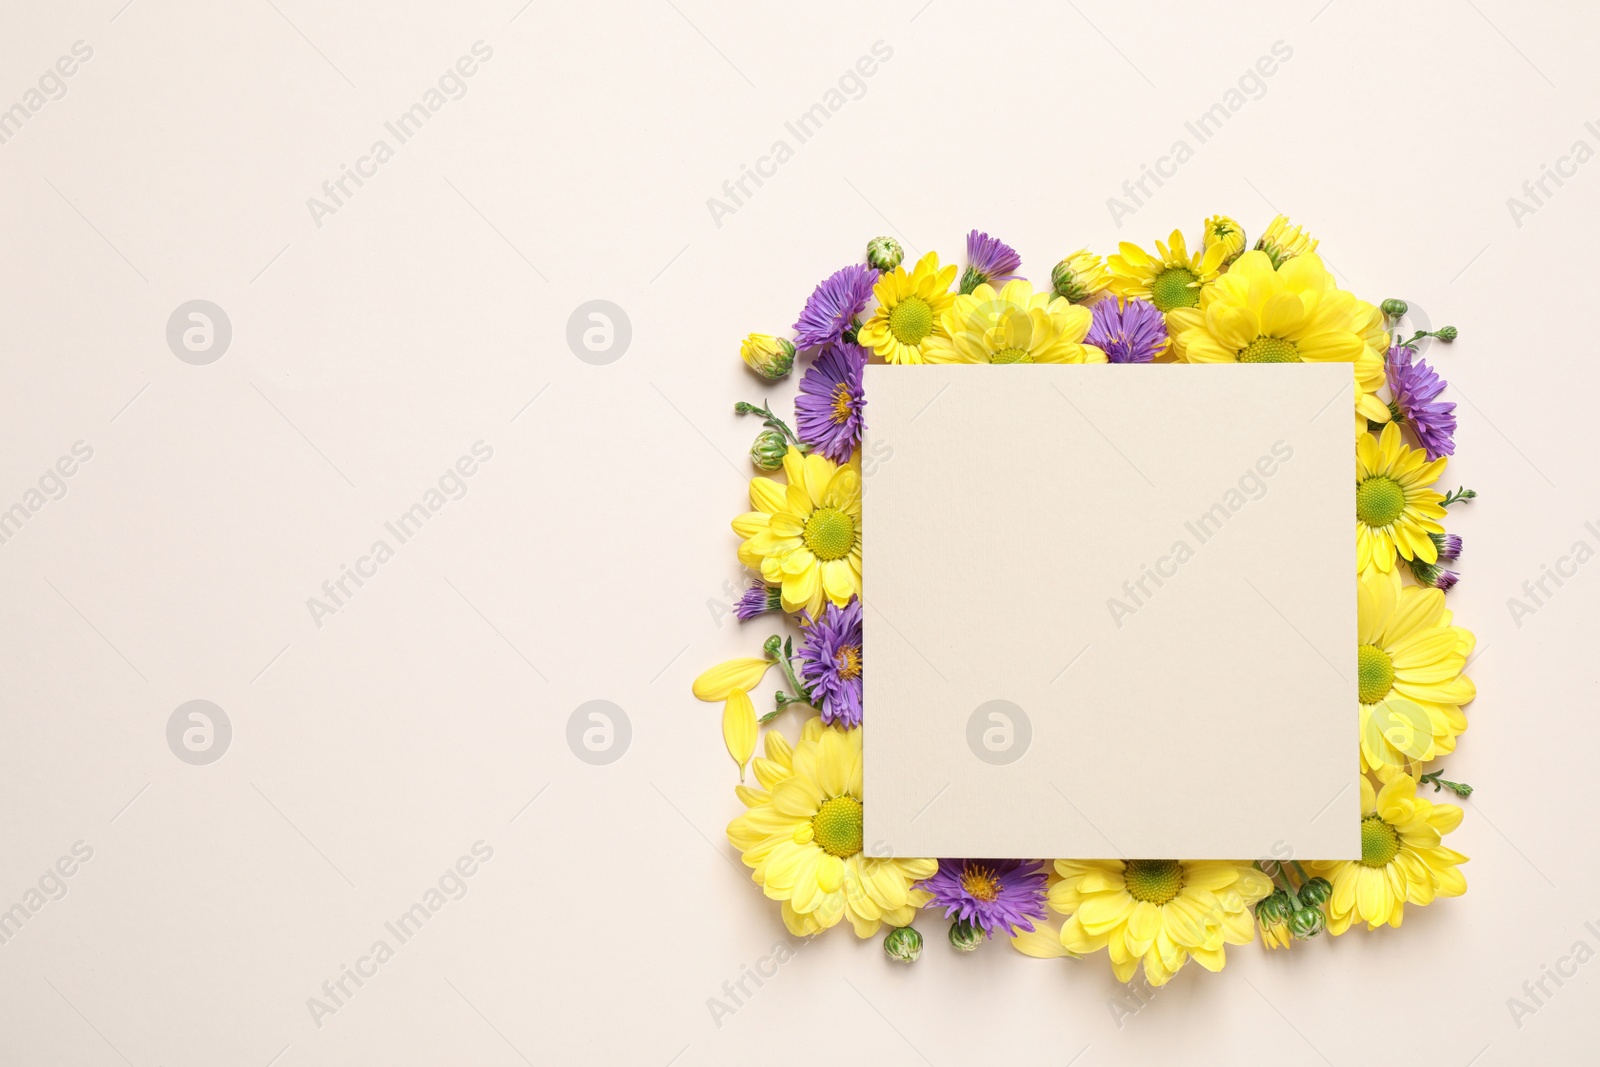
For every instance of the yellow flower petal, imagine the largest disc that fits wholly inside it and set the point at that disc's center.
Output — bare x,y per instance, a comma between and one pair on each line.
739,728
720,681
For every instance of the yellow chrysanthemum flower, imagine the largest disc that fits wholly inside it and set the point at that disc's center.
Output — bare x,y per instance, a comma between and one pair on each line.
806,535
1015,325
1395,509
1372,327
1160,912
1283,242
1221,230
1402,859
1409,664
1170,279
1255,314
909,309
802,838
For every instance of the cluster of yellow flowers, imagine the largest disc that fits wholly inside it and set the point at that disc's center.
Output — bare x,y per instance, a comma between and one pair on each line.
801,833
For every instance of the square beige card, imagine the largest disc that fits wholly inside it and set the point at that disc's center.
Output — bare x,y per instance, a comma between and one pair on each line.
1110,611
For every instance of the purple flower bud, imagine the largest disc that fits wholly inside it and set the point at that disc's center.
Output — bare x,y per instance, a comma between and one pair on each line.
758,600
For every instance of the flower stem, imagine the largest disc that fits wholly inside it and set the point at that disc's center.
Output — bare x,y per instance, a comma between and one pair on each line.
1411,342
786,661
1457,495
772,421
1460,789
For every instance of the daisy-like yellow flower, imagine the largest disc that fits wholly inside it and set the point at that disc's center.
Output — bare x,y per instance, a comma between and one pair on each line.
1409,662
1402,858
909,309
1372,327
1395,509
802,838
1255,314
806,536
1014,325
1170,279
1221,230
1283,242
1158,912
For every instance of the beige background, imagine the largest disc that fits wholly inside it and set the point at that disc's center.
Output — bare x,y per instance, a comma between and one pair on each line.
1015,713
429,312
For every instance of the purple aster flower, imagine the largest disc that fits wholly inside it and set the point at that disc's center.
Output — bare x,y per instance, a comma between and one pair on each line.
993,895
1415,387
833,305
1449,546
828,409
830,663
1130,331
759,599
989,259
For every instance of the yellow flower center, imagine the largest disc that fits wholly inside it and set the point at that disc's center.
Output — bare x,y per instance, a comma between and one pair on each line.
837,826
1011,355
841,403
829,533
1155,881
848,661
980,882
1171,289
1376,671
1380,842
911,320
1269,350
1380,500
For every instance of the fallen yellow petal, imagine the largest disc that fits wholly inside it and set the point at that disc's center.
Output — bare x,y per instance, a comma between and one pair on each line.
1043,943
739,728
720,681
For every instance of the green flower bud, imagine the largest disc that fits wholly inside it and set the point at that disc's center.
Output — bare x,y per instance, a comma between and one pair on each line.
773,646
771,357
1394,308
1316,892
1447,334
903,943
769,449
1079,276
1307,923
964,937
884,253
1275,908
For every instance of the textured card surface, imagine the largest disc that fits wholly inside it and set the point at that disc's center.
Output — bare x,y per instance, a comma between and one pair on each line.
1110,611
